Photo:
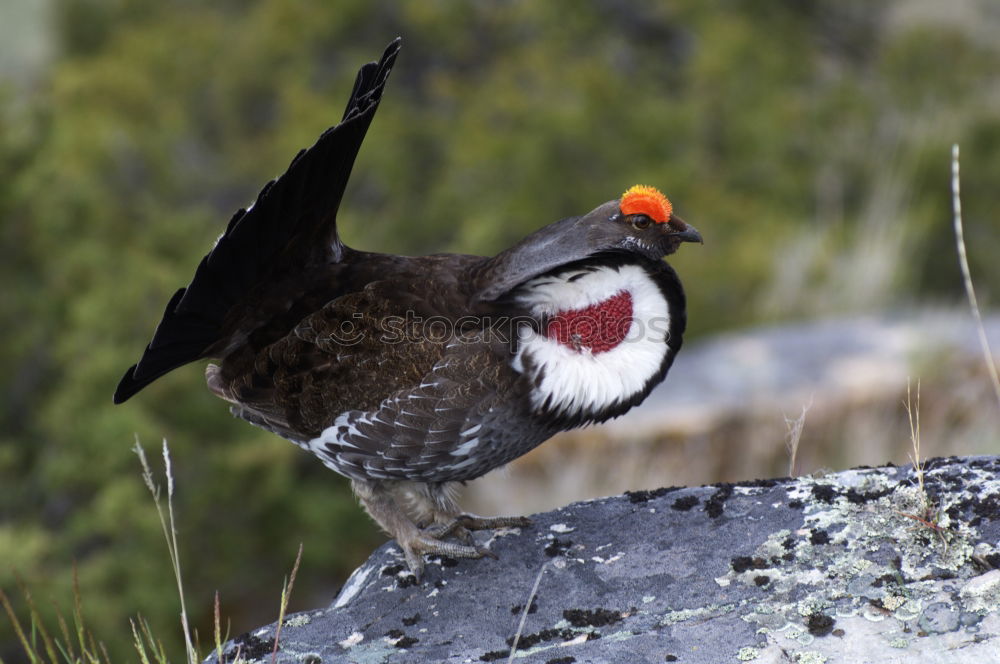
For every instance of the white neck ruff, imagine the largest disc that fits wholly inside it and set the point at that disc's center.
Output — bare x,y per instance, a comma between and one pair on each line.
576,382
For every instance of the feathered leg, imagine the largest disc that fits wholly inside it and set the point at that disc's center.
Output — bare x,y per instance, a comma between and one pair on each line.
436,502
378,500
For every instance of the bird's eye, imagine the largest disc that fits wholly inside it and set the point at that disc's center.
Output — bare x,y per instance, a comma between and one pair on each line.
640,222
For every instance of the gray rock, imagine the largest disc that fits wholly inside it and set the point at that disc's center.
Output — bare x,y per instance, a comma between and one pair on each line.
864,565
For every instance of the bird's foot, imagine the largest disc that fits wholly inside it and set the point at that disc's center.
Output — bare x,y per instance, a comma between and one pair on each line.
422,542
461,526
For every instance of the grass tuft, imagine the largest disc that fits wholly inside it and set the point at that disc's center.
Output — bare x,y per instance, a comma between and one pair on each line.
143,639
41,647
930,515
913,415
75,644
794,428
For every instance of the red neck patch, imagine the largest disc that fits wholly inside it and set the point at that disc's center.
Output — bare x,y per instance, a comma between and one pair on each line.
598,328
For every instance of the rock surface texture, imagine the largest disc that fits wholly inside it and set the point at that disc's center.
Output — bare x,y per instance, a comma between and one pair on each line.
865,565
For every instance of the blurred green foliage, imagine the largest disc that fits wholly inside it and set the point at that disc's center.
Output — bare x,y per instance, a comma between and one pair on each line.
808,142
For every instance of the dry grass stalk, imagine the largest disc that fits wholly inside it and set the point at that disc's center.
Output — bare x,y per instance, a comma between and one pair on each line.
931,515
963,261
913,415
794,428
524,614
286,593
220,639
170,534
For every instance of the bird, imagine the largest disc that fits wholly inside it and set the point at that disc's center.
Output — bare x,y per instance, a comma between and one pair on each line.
411,375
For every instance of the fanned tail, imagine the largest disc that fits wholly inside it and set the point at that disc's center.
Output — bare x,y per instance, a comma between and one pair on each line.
292,220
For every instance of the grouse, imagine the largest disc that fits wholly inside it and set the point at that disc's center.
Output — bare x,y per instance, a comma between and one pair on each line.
408,374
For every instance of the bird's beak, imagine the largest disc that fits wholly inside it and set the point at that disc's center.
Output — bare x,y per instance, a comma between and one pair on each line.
683,231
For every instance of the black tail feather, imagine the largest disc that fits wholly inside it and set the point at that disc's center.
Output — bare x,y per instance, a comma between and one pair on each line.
179,339
293,218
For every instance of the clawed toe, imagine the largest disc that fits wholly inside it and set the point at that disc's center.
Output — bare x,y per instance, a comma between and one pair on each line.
462,524
476,522
431,539
452,528
426,542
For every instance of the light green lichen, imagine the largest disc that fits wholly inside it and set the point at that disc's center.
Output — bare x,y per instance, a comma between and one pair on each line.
982,593
893,602
298,621
811,605
860,565
683,615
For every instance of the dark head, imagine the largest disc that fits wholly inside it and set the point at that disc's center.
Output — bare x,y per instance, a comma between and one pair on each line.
640,222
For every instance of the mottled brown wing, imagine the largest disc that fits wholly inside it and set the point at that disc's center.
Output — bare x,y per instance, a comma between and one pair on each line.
347,355
464,419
